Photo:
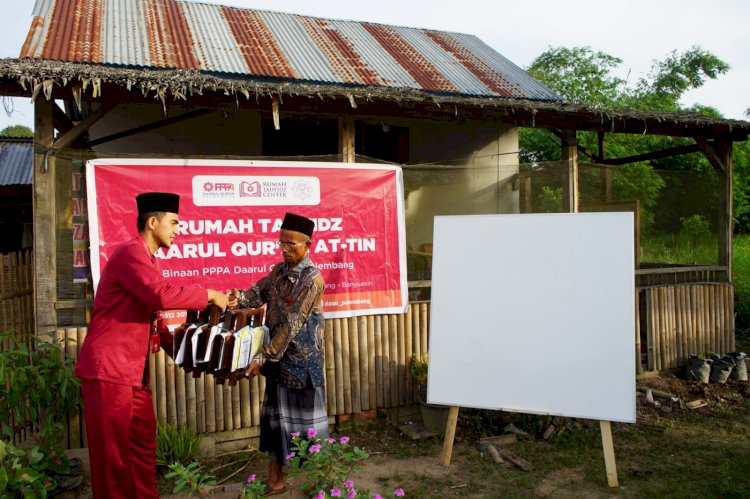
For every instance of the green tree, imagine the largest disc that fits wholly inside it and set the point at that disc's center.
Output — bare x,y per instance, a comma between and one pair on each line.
585,76
17,132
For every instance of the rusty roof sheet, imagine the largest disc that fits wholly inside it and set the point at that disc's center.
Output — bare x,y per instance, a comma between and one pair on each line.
16,161
179,34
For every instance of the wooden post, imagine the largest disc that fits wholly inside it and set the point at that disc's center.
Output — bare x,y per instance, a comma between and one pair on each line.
45,213
570,171
346,139
609,453
450,434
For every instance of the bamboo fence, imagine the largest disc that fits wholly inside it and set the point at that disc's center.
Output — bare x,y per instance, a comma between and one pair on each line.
682,320
367,368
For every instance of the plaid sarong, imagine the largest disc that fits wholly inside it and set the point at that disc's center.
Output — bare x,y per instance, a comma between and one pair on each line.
287,410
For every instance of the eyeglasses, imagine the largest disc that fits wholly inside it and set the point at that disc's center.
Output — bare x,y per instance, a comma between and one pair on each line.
287,245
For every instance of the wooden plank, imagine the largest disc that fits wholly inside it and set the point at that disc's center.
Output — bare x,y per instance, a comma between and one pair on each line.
609,453
74,421
511,457
638,358
507,439
450,435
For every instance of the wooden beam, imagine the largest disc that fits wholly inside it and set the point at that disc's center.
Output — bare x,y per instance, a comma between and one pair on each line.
45,213
723,152
711,153
346,138
664,153
71,135
571,196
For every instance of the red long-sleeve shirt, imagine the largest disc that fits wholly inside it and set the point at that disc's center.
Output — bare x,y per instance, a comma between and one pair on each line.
130,290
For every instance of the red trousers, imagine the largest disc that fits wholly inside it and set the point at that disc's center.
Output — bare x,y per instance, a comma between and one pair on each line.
121,432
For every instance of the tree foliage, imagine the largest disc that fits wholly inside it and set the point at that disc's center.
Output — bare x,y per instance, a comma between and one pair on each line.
17,132
585,76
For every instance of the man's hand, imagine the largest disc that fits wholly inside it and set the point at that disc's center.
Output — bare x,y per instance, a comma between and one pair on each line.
218,298
252,370
234,298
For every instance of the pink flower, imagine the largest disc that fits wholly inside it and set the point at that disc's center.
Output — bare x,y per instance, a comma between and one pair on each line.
330,440
295,434
320,495
348,484
377,496
398,492
351,494
344,440
311,433
251,478
335,493
313,449
290,455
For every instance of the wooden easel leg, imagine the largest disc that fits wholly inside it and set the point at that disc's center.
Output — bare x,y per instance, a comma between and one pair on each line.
609,453
450,434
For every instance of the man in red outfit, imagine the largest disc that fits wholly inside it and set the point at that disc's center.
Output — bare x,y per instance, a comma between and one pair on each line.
113,363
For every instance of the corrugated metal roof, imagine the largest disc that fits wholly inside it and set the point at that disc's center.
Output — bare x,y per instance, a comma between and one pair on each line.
16,161
262,44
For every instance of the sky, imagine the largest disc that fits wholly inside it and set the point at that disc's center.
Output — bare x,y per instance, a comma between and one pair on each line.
636,31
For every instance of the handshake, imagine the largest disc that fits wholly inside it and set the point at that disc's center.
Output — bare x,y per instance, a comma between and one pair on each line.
224,300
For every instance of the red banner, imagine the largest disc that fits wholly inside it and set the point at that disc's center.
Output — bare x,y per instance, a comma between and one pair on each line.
231,213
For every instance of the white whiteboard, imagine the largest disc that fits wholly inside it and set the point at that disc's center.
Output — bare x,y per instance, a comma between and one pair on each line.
534,314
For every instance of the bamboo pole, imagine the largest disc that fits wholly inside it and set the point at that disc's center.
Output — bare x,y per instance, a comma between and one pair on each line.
245,400
385,337
729,290
395,368
356,377
638,363
256,401
236,410
73,430
339,365
671,317
82,332
346,365
697,322
372,373
377,332
169,380
409,350
219,403
364,352
262,390
424,331
200,404
165,398
402,358
708,309
209,391
330,365
664,328
416,328
180,398
227,398
684,318
718,303
190,403
650,328
689,316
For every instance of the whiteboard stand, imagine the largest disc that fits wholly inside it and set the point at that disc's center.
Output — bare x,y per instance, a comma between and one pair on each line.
450,434
609,453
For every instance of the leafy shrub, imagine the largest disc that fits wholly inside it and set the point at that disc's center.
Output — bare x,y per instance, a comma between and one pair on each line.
191,478
176,444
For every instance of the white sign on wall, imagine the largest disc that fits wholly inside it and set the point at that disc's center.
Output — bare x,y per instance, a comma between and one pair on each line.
534,314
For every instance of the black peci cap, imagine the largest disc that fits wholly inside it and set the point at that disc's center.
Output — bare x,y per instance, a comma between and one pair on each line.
298,223
157,201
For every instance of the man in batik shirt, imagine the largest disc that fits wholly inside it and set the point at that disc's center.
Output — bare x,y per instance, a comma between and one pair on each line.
293,360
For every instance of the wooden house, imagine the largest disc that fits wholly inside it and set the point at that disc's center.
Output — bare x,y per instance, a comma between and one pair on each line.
172,78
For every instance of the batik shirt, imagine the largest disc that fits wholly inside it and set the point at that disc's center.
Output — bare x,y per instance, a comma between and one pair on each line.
293,298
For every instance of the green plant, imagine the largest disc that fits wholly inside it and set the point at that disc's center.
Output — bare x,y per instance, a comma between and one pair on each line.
23,472
326,466
190,477
418,371
252,488
37,387
176,444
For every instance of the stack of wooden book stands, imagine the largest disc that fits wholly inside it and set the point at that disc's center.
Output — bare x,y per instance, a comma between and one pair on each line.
222,345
